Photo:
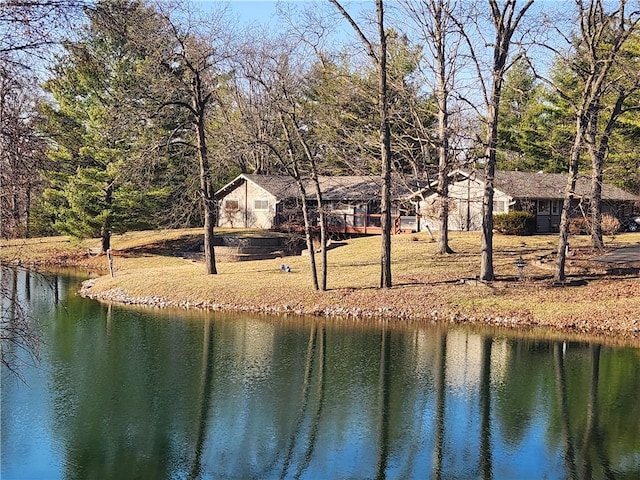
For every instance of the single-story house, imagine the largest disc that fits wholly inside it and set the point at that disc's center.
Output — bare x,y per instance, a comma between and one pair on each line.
539,193
273,201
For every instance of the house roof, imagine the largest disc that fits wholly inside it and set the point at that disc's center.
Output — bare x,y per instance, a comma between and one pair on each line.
340,188
551,186
334,188
518,185
280,186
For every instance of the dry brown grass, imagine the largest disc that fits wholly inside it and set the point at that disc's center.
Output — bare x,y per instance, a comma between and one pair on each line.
427,286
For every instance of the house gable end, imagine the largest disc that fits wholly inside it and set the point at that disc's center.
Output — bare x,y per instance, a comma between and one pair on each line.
263,182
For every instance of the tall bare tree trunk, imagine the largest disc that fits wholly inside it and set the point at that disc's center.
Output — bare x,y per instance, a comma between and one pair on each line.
322,217
570,190
27,227
597,163
443,129
308,234
105,229
505,26
598,152
208,202
385,153
486,259
380,59
295,174
322,221
595,206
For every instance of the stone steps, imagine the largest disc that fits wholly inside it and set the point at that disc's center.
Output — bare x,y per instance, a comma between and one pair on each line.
238,249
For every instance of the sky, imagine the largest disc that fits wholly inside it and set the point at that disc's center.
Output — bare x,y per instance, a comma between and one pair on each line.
249,11
265,13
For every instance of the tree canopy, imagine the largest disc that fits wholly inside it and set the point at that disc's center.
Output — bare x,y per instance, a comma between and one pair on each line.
94,130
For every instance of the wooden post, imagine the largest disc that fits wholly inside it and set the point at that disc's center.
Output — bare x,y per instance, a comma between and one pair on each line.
110,263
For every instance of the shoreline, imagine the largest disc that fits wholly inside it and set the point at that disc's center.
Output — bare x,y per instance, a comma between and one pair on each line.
429,288
610,332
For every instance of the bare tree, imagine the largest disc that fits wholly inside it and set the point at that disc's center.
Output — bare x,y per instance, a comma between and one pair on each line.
600,38
434,20
379,56
505,18
622,98
274,91
22,152
29,32
195,71
33,27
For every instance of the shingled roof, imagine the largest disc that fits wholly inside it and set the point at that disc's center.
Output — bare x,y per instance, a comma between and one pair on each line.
346,188
280,186
551,186
518,185
334,188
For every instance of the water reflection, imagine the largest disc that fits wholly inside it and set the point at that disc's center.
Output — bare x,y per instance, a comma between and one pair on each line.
123,393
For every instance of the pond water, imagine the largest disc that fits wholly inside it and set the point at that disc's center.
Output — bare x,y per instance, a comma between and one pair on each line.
130,393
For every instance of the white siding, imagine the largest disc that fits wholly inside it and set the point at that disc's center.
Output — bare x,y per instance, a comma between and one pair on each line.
465,207
248,196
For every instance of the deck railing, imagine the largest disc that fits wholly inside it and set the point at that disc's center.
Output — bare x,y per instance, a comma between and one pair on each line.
369,224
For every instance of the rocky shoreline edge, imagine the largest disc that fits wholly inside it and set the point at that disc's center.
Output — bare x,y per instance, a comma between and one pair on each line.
603,330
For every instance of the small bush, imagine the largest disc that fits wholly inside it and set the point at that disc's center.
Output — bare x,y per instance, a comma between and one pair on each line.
579,226
582,225
610,224
514,223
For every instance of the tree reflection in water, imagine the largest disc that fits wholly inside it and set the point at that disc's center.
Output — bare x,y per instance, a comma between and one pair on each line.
485,409
304,400
440,388
206,392
561,389
384,386
315,425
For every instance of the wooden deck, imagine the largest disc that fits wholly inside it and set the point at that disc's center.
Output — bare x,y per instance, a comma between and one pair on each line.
362,224
357,224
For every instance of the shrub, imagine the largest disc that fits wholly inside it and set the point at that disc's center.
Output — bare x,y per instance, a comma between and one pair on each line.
579,226
514,223
610,224
582,225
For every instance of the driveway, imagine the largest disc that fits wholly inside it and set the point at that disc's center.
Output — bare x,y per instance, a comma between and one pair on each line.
620,256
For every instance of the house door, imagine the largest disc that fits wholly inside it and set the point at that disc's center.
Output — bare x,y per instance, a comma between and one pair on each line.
543,216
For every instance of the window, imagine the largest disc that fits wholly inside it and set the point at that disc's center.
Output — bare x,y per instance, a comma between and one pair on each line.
555,207
261,204
543,206
498,206
231,205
